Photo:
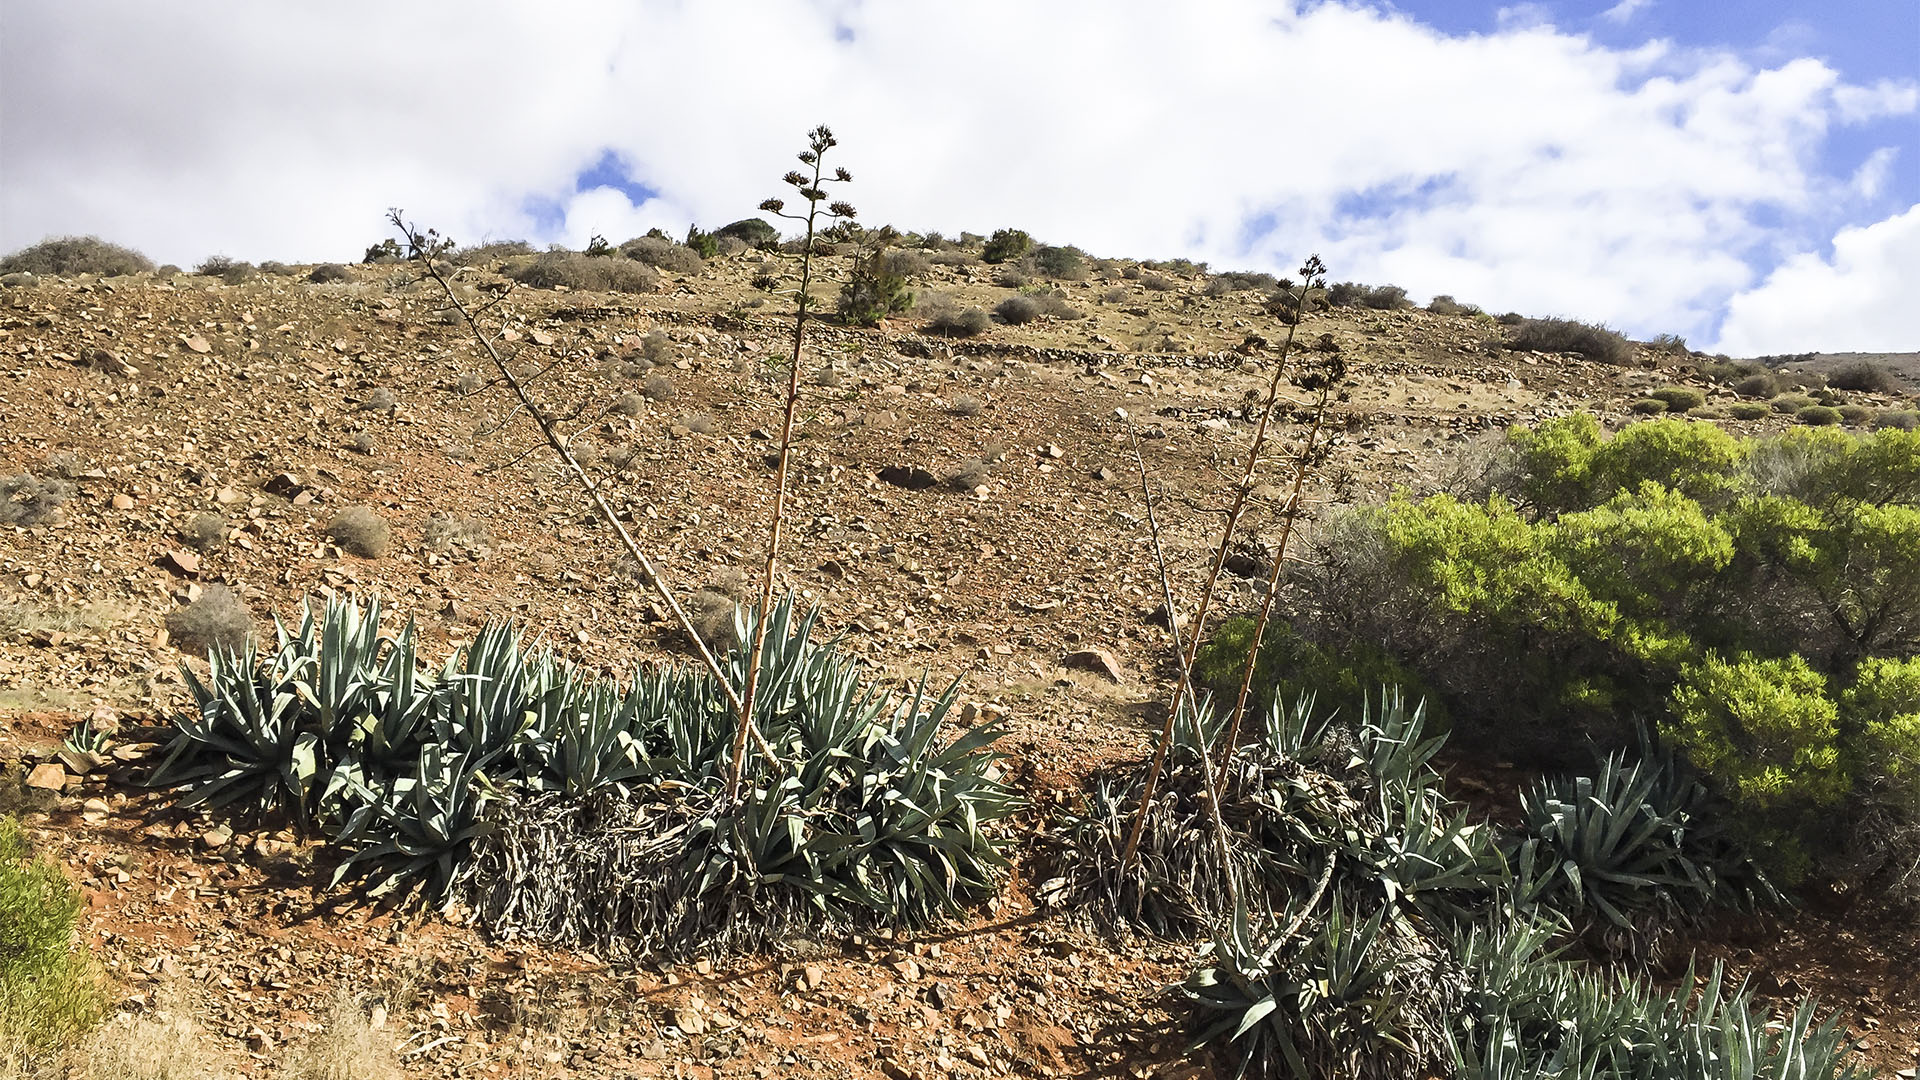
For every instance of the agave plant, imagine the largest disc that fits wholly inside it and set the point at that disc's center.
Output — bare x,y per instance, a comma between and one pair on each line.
863,814
419,829
250,740
1352,998
1627,852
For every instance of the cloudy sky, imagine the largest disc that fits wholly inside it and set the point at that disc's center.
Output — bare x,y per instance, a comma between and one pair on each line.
1745,173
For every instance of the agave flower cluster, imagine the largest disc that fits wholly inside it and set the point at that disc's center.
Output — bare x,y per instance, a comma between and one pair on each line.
566,805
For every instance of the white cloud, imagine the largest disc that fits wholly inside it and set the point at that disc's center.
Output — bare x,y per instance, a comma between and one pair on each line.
1526,168
1860,300
1624,11
1870,179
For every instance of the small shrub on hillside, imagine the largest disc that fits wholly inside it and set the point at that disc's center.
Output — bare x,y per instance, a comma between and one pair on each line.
1377,297
1116,295
491,252
658,388
629,404
906,264
26,499
218,620
1679,399
713,615
204,532
1012,278
328,273
1061,263
1759,385
1648,406
873,291
572,270
1897,419
1569,336
1790,403
1447,305
1857,415
969,474
966,405
1232,281
67,256
48,993
1511,318
1747,410
466,535
361,531
276,268
955,258
704,244
231,271
1817,415
1864,376
698,423
950,320
1006,245
754,232
1159,282
1054,305
663,254
656,348
1672,344
386,251
1017,310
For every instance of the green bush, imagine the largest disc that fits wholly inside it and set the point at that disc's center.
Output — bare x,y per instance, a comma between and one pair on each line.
67,256
873,291
704,244
1679,399
49,995
1648,406
1017,310
1790,403
663,255
754,232
1006,245
1377,297
1864,375
1061,263
1447,305
1758,385
1569,336
572,270
1723,589
1766,727
1856,415
1817,415
1747,410
1896,419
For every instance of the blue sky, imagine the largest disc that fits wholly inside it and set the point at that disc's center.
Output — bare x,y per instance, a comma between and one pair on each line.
1744,174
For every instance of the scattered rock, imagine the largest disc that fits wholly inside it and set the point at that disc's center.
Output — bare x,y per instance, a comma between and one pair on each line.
197,344
184,563
1097,661
48,776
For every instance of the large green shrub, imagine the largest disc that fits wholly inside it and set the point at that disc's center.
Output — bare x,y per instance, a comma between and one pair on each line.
1731,592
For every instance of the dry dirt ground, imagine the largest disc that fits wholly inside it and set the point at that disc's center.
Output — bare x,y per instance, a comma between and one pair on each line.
276,403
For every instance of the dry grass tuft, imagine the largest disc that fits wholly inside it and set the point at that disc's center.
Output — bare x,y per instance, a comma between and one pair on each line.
360,531
348,1047
219,619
